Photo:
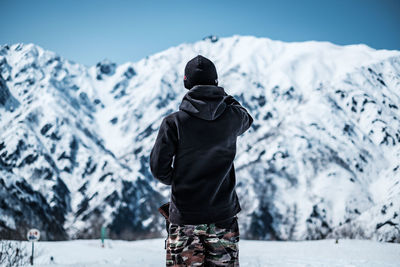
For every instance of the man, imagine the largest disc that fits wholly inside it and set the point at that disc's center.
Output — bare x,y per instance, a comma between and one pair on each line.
200,141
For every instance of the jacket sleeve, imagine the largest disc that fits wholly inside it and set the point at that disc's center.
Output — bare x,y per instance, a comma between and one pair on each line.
245,118
163,151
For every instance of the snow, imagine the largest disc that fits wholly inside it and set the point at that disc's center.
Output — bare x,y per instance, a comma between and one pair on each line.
150,252
321,157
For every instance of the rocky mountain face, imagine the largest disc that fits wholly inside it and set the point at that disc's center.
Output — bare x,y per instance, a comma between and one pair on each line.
321,160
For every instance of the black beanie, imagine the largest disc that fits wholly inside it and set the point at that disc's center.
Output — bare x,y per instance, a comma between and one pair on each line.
200,70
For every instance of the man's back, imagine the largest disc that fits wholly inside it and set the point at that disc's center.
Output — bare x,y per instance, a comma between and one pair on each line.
203,180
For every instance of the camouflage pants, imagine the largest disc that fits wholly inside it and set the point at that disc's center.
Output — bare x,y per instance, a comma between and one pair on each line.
202,245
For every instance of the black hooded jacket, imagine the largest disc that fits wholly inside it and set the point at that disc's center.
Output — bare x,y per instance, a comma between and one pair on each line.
194,153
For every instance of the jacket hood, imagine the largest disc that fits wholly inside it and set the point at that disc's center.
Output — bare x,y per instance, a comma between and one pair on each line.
204,101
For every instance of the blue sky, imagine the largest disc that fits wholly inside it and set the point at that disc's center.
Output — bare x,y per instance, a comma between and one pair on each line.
89,31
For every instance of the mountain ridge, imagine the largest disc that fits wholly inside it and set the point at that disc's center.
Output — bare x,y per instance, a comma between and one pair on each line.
89,143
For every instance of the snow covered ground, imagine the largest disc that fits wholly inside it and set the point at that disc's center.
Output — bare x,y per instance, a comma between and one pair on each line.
150,252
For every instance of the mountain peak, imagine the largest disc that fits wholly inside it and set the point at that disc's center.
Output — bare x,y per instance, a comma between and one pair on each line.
319,160
211,38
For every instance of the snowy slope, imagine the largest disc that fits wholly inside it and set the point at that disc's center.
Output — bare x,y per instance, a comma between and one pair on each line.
321,159
51,144
251,253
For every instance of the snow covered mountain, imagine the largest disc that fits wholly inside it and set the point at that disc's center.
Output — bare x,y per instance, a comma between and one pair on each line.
322,158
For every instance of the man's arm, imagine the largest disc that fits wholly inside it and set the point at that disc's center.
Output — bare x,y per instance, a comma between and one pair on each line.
164,149
245,117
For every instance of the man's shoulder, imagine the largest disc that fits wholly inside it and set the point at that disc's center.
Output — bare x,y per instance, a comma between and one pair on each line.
176,114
